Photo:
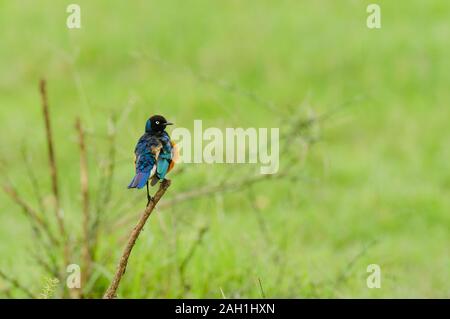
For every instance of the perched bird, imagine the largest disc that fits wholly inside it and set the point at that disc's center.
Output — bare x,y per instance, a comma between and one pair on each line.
154,154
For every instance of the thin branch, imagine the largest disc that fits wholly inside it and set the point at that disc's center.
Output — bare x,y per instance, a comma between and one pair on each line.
222,293
54,177
84,182
201,232
105,180
51,157
220,188
206,191
30,212
39,224
33,179
345,272
258,213
112,133
121,267
224,85
49,268
16,284
261,290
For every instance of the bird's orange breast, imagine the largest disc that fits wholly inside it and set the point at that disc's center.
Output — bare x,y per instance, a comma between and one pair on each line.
175,156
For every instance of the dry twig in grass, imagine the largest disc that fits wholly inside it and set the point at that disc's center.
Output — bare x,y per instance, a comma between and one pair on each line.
54,171
30,212
27,160
51,156
16,284
346,271
105,184
205,191
261,290
181,269
121,267
84,182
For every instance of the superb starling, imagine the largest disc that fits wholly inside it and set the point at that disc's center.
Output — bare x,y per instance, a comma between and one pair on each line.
154,154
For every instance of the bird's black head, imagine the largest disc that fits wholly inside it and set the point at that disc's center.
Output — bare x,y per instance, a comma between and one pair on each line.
156,123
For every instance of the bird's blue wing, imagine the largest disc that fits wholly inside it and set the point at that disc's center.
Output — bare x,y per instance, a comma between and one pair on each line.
146,153
165,157
145,156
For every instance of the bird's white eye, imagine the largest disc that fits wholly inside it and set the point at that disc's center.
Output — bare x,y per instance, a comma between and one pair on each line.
157,122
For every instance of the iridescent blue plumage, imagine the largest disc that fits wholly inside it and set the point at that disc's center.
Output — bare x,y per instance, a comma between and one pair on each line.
145,159
153,153
165,156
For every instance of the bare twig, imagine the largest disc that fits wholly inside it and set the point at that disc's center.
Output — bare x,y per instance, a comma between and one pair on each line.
51,157
84,182
222,293
224,187
16,284
220,188
52,269
109,174
30,212
208,190
203,78
201,232
39,224
33,179
54,178
111,291
346,271
261,290
105,181
258,213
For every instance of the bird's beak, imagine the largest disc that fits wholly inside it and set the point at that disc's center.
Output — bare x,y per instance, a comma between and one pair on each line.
168,123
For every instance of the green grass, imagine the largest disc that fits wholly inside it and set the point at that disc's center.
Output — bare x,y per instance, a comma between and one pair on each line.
381,170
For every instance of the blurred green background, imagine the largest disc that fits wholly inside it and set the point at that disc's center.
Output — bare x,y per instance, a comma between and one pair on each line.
374,189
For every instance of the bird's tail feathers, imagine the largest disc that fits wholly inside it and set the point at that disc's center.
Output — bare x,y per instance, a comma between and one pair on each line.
139,180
